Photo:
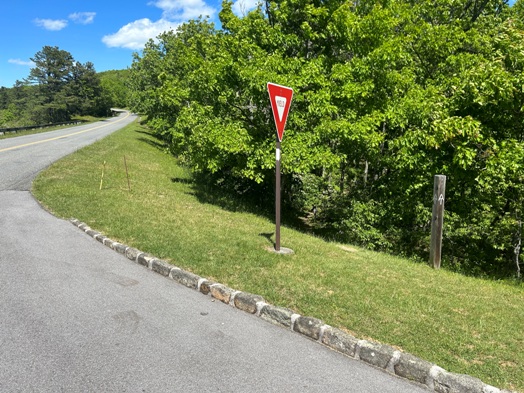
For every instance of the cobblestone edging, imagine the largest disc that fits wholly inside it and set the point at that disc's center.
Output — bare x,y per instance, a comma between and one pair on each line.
382,356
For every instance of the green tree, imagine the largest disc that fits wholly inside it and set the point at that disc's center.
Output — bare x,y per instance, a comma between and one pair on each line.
387,94
114,85
82,89
66,87
52,72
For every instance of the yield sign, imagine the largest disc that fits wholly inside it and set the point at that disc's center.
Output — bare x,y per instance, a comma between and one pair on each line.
280,97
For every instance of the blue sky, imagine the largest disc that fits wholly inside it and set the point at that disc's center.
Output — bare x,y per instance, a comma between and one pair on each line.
105,33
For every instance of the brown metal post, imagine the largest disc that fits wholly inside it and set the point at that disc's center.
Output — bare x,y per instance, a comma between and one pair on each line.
277,199
437,220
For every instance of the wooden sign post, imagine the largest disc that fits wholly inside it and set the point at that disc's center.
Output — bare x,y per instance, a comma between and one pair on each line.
437,221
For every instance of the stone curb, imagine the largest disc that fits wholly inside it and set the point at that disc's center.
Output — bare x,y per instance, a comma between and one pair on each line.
161,267
247,302
401,364
187,279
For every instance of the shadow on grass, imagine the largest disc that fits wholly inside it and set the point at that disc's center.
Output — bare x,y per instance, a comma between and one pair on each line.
223,191
182,180
253,199
159,145
268,236
150,138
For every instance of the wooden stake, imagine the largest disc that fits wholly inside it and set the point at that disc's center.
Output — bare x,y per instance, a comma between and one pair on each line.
127,174
102,178
437,221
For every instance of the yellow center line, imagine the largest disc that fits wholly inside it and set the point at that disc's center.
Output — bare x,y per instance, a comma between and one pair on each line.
62,136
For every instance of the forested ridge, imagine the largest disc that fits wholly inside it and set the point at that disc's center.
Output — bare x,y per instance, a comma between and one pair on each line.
387,94
58,88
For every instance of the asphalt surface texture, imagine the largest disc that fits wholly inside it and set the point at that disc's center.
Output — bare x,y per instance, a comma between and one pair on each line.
76,316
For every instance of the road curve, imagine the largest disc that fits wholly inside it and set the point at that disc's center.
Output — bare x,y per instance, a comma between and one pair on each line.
21,158
78,317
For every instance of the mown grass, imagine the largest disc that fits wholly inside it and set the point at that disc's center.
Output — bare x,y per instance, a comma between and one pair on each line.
463,324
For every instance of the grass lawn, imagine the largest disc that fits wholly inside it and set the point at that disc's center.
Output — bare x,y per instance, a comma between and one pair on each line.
463,324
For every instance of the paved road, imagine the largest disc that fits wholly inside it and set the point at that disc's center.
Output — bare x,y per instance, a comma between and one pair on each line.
78,317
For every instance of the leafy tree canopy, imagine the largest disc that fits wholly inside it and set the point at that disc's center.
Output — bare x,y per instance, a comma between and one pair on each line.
387,94
57,88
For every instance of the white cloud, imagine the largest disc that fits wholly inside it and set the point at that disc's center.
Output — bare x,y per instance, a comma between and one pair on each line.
134,35
51,24
84,18
27,63
184,9
242,7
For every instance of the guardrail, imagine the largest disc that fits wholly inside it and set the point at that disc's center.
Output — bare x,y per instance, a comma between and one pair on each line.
14,130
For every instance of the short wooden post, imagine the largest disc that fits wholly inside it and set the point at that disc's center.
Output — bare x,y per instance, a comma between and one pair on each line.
102,178
127,175
437,220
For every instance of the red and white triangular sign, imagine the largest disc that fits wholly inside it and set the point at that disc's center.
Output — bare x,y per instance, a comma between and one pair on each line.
280,97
